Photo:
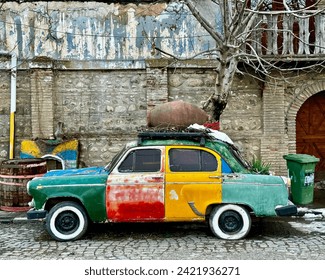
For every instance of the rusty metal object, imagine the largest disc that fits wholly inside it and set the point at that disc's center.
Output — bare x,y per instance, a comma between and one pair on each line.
14,175
178,114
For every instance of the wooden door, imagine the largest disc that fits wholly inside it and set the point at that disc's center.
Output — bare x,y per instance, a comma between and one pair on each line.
310,131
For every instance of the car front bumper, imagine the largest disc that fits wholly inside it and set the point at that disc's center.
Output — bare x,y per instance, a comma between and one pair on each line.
288,210
33,214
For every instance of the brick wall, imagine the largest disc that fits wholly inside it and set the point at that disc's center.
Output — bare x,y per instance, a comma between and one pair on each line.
274,140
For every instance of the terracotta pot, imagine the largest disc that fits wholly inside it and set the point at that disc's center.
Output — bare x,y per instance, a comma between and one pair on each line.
176,114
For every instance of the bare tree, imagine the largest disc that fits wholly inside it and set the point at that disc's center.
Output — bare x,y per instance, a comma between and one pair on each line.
235,38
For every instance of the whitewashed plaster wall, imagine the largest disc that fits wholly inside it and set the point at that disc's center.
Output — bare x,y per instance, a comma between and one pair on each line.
99,31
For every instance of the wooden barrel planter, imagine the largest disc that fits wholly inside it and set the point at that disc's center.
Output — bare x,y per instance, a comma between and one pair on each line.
14,175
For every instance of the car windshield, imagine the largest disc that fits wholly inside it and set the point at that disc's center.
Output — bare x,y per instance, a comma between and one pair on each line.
236,153
115,159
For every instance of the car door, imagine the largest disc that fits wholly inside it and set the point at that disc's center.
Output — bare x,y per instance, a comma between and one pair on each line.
193,181
135,187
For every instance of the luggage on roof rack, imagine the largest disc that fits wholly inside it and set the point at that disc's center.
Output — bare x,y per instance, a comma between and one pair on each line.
152,135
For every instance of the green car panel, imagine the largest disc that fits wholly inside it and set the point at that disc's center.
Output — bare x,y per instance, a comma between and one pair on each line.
262,193
88,189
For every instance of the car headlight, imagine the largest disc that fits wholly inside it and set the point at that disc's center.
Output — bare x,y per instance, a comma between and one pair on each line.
31,203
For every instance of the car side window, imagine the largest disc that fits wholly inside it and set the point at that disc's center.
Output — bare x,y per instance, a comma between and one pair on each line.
191,160
142,160
225,167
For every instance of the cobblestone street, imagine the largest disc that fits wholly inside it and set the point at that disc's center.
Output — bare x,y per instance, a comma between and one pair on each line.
270,239
289,238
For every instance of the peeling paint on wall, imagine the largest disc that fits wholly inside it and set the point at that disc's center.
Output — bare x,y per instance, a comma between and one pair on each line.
66,150
99,31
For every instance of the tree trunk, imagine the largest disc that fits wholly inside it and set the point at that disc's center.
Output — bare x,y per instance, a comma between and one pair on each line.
225,75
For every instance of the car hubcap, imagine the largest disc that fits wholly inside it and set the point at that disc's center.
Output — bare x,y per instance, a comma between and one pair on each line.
230,222
67,222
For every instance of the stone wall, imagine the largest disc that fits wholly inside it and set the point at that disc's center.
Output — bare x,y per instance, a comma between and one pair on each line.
41,89
104,109
4,113
23,109
242,119
193,85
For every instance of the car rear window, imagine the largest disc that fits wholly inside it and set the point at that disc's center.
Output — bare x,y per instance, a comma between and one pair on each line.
191,160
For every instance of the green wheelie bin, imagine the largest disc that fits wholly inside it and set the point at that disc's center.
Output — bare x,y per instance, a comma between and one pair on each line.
301,169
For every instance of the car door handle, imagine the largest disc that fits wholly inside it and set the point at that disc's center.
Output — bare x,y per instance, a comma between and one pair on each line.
215,177
230,176
157,177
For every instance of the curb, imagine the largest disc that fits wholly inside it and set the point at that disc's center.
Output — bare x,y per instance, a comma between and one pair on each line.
13,217
16,217
17,220
20,220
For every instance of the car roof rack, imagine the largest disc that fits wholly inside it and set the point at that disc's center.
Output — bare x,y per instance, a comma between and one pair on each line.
193,136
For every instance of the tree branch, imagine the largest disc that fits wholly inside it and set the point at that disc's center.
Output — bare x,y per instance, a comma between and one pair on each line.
205,24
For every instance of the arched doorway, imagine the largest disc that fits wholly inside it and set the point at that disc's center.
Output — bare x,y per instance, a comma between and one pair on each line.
310,131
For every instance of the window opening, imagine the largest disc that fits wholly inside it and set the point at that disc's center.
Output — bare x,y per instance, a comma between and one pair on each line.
143,160
191,160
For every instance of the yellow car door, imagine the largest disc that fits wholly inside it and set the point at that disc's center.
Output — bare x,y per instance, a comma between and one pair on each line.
193,182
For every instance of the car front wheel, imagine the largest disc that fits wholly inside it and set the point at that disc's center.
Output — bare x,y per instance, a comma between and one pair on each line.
67,221
230,221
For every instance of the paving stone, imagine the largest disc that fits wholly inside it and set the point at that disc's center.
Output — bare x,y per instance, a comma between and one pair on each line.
30,241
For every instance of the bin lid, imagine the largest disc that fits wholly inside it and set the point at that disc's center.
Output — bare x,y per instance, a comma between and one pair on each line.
301,158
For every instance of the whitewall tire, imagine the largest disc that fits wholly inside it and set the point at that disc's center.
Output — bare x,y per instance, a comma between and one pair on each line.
67,221
230,221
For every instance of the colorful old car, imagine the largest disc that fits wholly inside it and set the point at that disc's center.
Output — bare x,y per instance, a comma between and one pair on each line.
161,177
